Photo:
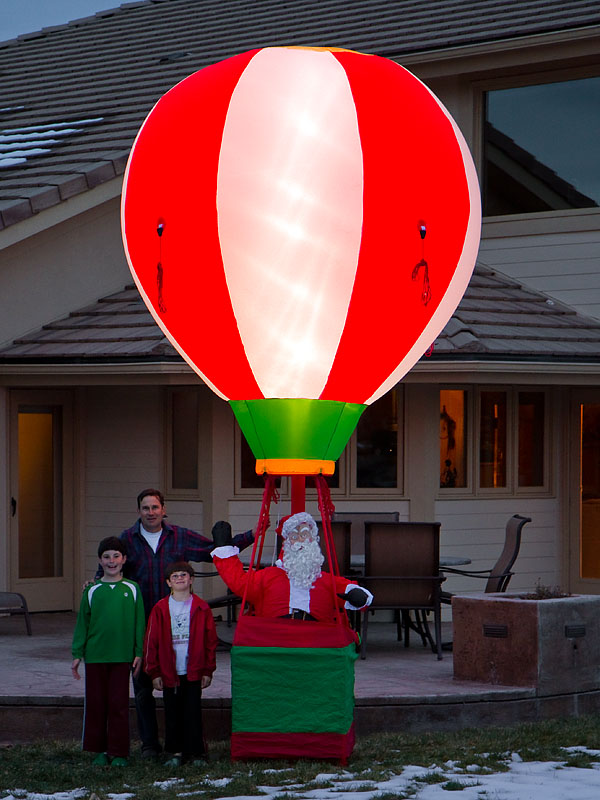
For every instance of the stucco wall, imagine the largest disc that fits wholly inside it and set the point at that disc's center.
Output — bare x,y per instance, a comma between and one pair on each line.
61,269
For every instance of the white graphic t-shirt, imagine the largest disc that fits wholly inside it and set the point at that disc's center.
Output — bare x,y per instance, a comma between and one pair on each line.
180,631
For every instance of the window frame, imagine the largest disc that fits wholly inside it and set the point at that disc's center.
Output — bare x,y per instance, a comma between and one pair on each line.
473,434
515,80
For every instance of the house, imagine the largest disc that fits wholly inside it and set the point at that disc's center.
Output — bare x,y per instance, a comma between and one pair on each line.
502,417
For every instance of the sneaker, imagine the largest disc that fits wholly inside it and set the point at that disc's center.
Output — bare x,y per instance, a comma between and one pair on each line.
149,754
101,760
118,762
199,762
174,761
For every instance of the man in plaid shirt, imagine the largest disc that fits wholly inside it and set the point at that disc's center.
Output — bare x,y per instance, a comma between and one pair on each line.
152,544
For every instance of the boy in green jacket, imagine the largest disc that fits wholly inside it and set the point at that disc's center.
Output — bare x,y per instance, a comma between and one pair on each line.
109,637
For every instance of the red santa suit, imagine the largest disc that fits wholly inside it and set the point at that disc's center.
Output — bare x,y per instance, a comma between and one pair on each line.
271,592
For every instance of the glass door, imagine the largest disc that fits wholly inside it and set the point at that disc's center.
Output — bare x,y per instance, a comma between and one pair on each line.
41,527
584,550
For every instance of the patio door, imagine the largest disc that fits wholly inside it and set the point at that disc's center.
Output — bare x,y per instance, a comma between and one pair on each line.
41,525
584,539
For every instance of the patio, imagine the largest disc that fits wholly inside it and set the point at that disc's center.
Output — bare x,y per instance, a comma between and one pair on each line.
397,689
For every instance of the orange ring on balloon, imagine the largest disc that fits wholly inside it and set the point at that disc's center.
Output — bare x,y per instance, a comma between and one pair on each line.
294,466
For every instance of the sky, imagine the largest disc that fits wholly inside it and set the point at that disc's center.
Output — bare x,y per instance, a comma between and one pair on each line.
26,16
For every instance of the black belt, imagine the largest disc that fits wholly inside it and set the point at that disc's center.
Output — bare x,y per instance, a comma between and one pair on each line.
297,614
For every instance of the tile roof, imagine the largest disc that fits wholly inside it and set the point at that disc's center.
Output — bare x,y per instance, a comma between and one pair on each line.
498,319
75,95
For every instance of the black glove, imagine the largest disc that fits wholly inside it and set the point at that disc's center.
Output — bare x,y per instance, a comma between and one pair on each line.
357,597
221,533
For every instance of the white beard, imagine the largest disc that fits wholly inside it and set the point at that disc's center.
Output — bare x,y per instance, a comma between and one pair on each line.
302,561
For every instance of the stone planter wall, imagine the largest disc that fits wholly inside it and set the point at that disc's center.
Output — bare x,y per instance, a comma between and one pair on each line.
552,645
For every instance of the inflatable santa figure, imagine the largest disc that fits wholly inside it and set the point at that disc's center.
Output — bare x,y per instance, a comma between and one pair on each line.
295,587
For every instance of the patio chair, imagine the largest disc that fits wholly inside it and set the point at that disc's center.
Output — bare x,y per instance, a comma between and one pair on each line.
498,577
402,572
341,542
357,521
15,603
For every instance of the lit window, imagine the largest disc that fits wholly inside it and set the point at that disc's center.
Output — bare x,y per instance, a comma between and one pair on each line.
453,451
492,440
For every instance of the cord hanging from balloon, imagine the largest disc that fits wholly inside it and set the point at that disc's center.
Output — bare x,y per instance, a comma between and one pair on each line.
159,269
426,291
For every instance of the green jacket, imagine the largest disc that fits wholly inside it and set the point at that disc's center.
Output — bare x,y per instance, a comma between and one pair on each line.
111,623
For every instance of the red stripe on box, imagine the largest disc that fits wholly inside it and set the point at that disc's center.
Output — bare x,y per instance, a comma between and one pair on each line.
334,746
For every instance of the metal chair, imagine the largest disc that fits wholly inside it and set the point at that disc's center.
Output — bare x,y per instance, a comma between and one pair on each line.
15,603
402,572
229,600
498,577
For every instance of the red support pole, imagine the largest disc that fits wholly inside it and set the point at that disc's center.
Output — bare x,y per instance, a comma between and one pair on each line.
298,493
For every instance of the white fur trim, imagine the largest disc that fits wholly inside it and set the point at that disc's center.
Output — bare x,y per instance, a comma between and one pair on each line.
366,591
226,551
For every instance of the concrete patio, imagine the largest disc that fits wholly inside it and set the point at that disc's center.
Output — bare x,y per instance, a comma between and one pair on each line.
397,688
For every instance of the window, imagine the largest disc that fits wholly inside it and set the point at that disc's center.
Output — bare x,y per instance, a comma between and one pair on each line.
183,438
531,438
371,462
510,440
248,476
377,444
453,444
492,440
540,147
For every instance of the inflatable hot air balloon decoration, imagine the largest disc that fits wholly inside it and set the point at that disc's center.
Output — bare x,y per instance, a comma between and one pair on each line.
301,223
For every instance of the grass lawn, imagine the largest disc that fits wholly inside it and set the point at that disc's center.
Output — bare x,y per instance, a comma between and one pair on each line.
51,767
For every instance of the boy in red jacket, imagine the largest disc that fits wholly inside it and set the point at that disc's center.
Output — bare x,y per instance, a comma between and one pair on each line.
179,656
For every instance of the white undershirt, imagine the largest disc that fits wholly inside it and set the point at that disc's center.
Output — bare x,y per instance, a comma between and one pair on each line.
151,538
180,631
299,597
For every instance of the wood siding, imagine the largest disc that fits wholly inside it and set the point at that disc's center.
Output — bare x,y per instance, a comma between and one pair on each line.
563,265
475,528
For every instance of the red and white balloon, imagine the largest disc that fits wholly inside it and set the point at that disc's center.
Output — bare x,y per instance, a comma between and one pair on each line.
293,187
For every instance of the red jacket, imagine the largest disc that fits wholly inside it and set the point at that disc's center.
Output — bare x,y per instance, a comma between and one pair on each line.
269,589
159,656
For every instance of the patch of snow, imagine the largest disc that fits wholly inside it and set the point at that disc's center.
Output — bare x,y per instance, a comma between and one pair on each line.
168,783
19,144
578,749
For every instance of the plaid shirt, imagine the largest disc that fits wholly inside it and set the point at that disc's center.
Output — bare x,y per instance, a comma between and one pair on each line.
147,568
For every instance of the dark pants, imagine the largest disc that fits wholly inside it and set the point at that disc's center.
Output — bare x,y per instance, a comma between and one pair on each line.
145,705
183,719
106,711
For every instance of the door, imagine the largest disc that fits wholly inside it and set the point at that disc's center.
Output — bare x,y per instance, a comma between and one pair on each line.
584,540
41,530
